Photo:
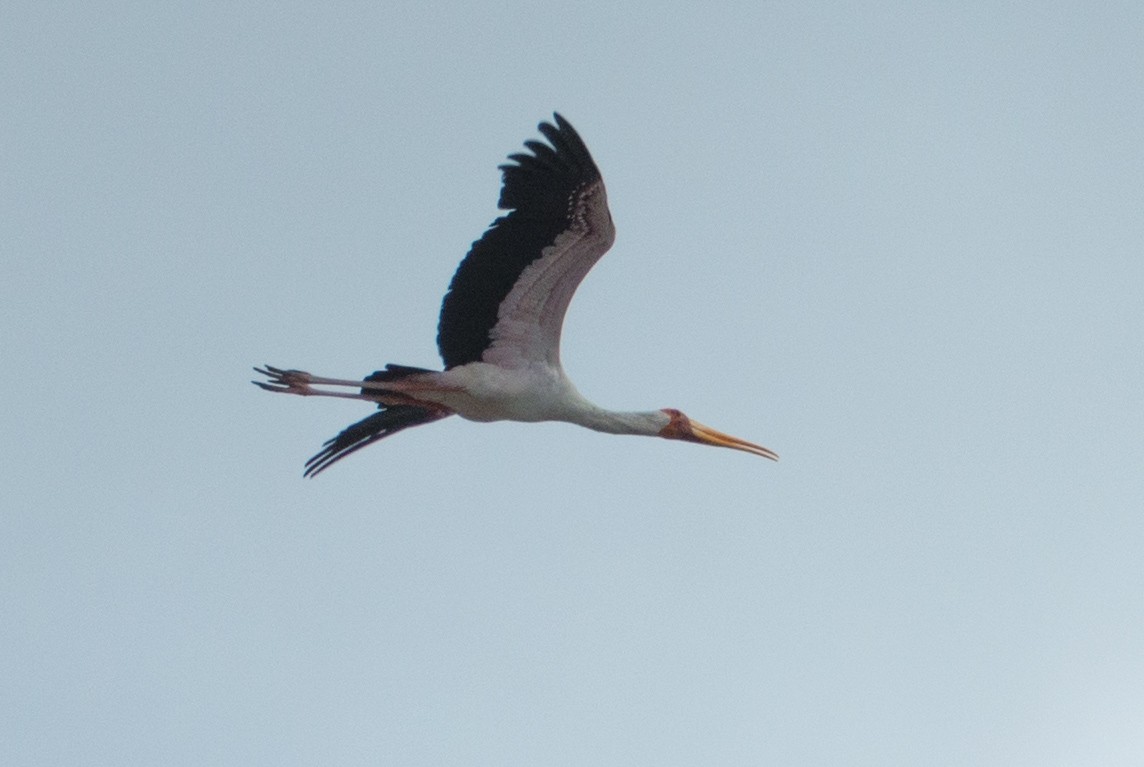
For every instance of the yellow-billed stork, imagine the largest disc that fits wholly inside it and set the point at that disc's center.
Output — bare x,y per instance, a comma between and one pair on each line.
499,331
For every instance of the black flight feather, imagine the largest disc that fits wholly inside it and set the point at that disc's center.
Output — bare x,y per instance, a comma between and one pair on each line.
391,419
539,190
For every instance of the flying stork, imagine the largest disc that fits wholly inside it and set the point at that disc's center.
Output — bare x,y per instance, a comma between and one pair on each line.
499,331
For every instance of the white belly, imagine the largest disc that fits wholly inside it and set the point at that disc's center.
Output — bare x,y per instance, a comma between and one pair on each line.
489,393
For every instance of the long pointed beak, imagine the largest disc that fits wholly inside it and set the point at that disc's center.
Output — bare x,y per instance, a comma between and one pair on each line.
709,436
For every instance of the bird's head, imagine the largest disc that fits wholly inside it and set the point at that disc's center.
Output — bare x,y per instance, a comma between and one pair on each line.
679,426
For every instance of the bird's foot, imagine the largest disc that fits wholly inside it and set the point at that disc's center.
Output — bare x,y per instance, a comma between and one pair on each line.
286,381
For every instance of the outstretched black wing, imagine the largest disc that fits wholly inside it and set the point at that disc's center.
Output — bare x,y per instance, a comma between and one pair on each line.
512,289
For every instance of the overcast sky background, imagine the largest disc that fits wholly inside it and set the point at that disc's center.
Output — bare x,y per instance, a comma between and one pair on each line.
902,244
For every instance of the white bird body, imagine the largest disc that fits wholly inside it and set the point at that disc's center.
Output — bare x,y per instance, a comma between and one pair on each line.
535,391
501,319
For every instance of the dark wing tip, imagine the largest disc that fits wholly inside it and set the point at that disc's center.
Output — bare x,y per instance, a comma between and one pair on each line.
387,422
546,175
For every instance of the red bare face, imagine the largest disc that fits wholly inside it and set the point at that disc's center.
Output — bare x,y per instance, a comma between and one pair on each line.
679,427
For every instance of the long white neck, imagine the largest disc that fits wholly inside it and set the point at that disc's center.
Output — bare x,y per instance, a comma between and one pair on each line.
591,416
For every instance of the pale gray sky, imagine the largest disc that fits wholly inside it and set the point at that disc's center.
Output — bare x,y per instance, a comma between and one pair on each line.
899,243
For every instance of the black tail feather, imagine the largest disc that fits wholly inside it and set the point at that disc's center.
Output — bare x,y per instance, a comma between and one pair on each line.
390,420
395,373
